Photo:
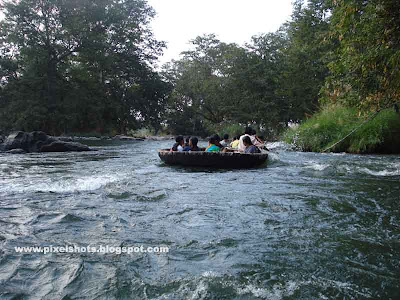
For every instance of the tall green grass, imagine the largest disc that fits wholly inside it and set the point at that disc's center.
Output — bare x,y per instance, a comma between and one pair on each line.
381,134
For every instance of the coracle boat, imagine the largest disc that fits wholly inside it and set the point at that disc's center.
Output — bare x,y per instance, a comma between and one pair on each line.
226,160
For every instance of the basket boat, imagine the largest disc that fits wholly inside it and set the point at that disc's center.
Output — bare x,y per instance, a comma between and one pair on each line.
229,160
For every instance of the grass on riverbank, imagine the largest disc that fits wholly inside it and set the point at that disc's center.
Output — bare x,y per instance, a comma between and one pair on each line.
379,135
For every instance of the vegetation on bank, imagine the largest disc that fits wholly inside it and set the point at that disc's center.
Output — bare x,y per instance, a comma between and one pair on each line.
329,130
91,66
363,78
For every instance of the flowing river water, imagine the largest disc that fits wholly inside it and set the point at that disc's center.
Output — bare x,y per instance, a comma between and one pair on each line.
306,226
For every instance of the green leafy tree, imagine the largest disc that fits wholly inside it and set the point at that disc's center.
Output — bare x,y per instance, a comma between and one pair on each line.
366,72
258,75
201,79
307,53
78,60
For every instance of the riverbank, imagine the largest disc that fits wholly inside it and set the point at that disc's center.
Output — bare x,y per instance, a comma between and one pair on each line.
341,129
20,142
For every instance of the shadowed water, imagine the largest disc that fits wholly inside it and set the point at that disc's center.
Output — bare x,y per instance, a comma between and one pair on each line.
307,226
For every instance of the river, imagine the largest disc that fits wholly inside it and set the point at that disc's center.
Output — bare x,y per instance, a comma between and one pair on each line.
306,226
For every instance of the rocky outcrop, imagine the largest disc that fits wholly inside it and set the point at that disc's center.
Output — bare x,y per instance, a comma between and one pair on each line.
39,141
61,146
17,151
65,138
128,138
160,138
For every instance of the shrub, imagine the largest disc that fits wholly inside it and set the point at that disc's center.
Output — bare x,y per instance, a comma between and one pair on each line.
334,123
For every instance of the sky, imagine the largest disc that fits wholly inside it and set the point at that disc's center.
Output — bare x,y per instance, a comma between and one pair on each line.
232,21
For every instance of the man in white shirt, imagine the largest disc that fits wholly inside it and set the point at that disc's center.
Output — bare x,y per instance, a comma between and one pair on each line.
248,132
225,141
178,146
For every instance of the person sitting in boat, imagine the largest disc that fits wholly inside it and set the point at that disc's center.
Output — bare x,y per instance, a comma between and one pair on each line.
212,144
218,141
260,139
193,144
257,137
250,148
225,141
187,147
178,146
235,142
248,132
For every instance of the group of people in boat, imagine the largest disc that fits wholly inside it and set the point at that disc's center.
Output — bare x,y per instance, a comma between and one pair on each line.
249,142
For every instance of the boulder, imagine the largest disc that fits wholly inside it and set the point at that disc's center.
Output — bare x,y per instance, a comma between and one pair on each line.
17,151
65,138
37,141
28,141
61,146
86,138
16,140
128,138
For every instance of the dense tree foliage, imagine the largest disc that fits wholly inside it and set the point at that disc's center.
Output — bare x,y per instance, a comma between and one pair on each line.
272,81
366,72
306,57
89,65
79,65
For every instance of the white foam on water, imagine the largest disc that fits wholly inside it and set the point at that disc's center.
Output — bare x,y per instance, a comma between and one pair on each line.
278,291
327,283
186,291
279,145
337,154
200,292
209,274
273,156
316,166
390,170
344,168
81,184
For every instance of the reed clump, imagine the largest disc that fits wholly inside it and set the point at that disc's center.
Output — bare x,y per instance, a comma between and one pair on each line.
379,133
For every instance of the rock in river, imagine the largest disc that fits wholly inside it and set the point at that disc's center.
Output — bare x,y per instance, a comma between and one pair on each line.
17,151
38,141
60,146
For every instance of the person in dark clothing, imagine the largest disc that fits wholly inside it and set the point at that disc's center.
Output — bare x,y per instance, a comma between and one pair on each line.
186,147
179,143
193,144
248,130
250,148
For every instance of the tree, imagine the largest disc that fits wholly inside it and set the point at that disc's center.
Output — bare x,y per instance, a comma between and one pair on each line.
77,60
219,83
365,73
306,56
201,80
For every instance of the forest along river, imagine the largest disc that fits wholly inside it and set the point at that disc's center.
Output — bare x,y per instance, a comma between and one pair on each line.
307,226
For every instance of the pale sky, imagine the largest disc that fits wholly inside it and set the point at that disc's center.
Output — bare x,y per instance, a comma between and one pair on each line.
233,21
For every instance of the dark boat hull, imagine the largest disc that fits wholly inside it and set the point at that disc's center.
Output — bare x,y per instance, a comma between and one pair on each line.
229,160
